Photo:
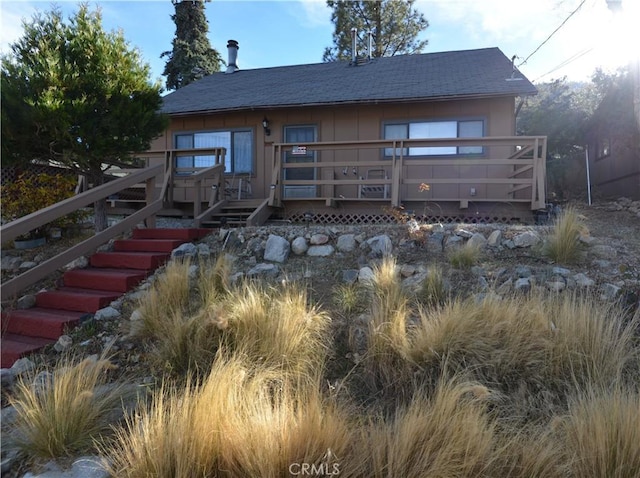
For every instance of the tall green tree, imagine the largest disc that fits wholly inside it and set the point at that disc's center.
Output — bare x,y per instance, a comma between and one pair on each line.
75,94
192,56
395,25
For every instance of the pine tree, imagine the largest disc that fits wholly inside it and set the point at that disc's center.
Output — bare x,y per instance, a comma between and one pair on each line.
395,25
192,56
75,94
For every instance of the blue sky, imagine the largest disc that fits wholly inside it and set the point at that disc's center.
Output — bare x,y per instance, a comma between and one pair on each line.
275,33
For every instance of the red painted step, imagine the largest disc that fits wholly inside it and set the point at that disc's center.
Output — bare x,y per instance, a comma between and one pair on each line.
117,280
76,299
39,322
146,245
17,346
129,260
87,290
191,234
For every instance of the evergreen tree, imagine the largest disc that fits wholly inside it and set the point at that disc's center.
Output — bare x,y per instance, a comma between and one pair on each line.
192,56
75,94
395,25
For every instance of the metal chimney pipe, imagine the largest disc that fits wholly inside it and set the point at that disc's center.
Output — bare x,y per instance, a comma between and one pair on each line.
232,50
354,42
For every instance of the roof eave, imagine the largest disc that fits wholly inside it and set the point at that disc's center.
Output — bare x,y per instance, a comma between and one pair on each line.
354,102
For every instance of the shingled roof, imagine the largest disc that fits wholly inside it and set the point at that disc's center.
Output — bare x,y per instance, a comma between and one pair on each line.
478,73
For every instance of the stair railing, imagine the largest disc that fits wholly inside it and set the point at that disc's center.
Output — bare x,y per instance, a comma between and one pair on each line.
151,176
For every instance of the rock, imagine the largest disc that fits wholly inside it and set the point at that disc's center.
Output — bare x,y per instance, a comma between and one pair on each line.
365,274
582,280
63,343
414,283
26,301
7,377
84,467
495,238
509,244
464,233
203,250
523,271
108,247
380,245
505,287
22,365
556,285
193,271
561,271
349,276
604,251
10,457
268,270
609,291
184,250
477,240
346,243
42,382
299,246
277,249
136,315
80,263
28,265
523,284
320,251
586,239
319,239
107,313
526,239
407,270
478,271
10,263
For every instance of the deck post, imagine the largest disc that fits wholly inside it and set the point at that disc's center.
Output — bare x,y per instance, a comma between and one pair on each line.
150,192
396,171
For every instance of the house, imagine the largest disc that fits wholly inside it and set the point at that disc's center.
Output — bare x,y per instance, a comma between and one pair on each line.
431,133
614,142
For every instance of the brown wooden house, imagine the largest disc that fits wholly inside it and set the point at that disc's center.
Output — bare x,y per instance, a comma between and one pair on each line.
342,141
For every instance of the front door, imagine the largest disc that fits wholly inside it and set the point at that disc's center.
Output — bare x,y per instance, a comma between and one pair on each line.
300,135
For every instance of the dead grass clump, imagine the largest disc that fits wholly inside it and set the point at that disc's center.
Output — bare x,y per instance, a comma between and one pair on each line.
243,421
464,257
277,327
169,293
214,280
592,343
446,435
66,410
602,432
433,292
563,246
349,298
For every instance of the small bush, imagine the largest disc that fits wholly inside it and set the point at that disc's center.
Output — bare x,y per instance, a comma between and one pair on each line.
464,257
65,412
433,292
443,436
601,434
349,298
563,246
243,421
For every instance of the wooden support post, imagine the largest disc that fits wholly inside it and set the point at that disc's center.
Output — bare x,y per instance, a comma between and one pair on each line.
150,190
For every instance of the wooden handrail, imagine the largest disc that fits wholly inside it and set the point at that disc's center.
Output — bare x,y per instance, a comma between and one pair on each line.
44,216
12,287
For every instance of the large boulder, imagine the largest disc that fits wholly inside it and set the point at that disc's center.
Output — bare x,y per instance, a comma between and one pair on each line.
277,249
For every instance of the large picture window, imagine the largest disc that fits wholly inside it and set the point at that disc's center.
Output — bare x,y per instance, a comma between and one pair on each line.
435,129
239,145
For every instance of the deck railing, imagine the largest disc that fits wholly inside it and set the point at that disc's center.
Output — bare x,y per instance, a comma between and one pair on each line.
505,169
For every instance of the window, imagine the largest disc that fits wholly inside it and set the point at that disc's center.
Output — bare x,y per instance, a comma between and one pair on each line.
435,129
239,144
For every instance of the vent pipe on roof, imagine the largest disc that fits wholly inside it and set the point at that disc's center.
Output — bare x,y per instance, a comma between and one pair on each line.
354,42
232,49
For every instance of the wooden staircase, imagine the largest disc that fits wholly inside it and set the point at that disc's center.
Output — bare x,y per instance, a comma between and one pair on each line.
233,214
85,291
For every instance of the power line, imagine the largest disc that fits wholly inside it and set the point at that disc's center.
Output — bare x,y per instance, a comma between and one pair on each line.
553,32
569,60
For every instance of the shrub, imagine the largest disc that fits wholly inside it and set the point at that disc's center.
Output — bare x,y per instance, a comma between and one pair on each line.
65,412
433,291
243,421
563,246
602,432
464,257
29,193
350,298
446,435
